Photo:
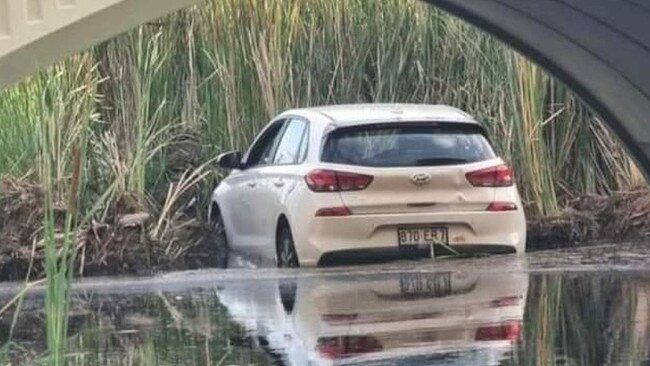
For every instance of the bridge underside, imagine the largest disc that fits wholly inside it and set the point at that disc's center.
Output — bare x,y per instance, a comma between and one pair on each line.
37,33
599,48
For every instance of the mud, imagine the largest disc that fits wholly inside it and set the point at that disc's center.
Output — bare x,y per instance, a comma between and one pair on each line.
121,245
593,219
21,217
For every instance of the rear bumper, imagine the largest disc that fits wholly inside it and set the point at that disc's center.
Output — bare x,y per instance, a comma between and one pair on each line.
321,240
381,255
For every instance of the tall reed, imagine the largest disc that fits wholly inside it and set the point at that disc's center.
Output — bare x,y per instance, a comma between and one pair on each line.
255,63
65,111
208,78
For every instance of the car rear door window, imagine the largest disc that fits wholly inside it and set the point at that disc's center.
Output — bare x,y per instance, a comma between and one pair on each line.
408,145
289,149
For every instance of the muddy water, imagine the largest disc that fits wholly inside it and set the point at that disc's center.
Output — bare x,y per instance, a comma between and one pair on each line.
589,306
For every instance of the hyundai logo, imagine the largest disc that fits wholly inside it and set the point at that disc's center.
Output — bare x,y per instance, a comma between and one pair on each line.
420,179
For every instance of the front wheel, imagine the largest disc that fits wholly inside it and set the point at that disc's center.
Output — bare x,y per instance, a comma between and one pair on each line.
286,251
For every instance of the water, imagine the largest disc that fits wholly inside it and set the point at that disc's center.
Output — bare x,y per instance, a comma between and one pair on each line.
588,307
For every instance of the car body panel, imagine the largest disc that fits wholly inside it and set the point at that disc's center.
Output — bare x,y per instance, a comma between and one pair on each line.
276,184
393,191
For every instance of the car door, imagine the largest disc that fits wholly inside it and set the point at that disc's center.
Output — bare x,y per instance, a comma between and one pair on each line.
245,185
277,180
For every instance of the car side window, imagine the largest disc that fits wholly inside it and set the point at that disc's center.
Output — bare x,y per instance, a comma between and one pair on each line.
304,144
289,149
261,153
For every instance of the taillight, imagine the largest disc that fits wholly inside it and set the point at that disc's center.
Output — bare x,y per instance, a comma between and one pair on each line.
321,180
502,206
496,176
336,348
505,332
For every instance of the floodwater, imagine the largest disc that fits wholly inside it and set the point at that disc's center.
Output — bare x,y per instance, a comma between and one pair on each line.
580,307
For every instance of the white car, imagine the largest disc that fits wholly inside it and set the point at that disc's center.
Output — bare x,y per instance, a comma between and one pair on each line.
368,182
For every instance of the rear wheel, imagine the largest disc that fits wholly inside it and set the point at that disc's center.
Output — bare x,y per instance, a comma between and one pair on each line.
286,251
218,230
288,289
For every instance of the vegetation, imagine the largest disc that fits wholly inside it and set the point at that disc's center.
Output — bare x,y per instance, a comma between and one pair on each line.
173,94
164,328
135,123
583,319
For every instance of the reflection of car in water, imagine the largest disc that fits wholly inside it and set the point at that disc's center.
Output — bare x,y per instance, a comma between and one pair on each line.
453,317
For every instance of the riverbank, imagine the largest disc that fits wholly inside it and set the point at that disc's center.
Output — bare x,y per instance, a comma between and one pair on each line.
590,219
123,244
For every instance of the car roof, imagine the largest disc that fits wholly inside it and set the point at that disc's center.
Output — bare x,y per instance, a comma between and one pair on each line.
354,114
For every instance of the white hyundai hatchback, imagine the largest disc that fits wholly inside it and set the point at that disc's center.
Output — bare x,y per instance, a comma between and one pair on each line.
368,182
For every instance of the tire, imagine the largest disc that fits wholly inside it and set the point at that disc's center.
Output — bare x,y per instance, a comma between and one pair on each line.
218,230
286,256
288,290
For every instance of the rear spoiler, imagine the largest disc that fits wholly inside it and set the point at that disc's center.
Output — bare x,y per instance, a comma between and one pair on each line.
459,127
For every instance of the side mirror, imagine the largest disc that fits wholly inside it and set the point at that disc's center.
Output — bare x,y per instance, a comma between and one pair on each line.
230,160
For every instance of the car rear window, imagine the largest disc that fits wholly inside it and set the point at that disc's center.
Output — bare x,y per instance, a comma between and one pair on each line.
408,145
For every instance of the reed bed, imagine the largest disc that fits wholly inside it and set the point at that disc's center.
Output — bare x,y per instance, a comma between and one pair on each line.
174,93
118,124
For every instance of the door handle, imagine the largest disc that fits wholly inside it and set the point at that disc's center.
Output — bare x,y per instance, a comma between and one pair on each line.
278,183
252,184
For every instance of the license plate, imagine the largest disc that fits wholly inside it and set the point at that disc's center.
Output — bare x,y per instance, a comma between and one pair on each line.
422,236
425,284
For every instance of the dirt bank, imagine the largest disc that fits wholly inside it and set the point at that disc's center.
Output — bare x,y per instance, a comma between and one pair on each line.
123,244
623,216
